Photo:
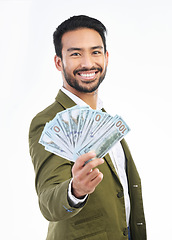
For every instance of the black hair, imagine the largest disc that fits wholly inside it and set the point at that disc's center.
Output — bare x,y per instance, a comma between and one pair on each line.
74,23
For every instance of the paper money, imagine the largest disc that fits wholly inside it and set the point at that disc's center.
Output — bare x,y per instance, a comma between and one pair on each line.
78,130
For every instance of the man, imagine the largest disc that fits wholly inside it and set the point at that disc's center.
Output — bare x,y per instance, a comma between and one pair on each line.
101,199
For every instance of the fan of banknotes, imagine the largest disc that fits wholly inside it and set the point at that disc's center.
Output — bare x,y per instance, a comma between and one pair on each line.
78,130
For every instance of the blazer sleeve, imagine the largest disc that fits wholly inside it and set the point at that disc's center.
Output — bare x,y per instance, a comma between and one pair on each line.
53,175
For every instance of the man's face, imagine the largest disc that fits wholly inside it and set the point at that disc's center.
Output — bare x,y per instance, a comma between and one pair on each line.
83,62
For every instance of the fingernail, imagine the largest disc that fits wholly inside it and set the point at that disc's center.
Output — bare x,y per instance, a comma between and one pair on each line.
93,152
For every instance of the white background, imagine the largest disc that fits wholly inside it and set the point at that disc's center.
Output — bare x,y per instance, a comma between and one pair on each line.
138,83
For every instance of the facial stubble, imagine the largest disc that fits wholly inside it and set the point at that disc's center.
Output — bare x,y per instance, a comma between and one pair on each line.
72,81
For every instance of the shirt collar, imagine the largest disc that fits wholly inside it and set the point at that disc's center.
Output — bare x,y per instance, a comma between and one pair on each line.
79,101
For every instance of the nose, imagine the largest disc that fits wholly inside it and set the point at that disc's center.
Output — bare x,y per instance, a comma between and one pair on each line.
87,61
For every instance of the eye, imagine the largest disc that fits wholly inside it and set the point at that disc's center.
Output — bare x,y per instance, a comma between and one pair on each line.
97,52
75,54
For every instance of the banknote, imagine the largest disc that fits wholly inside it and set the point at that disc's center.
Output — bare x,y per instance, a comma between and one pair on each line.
52,146
78,130
105,140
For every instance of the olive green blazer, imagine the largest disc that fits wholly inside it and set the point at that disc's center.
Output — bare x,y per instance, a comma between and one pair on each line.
103,215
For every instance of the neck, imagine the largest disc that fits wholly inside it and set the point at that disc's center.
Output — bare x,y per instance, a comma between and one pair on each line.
88,98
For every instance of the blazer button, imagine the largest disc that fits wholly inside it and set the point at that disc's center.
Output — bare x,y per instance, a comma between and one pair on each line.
120,194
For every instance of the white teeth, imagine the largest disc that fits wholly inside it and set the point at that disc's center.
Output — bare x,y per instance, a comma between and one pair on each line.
87,75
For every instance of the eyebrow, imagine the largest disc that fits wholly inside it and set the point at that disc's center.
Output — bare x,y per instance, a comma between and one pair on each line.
80,49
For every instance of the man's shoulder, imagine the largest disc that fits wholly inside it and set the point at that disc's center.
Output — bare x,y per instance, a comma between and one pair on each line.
62,102
44,116
49,112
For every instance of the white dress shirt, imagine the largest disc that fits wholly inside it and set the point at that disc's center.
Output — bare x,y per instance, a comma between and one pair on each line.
117,156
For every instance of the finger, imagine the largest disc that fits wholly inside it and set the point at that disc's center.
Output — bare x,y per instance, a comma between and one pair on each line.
98,179
88,168
93,184
84,158
93,164
92,174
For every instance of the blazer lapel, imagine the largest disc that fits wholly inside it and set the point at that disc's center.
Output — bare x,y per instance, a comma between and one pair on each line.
108,159
64,100
111,165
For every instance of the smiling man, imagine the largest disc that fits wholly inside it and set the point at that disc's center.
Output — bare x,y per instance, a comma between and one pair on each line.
83,63
101,199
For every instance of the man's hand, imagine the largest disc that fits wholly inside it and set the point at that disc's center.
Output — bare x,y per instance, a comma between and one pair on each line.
86,177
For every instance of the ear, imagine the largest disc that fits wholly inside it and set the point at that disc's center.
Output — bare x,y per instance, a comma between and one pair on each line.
58,63
107,57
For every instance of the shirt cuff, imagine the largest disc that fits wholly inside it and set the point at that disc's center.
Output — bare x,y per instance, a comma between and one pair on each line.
73,200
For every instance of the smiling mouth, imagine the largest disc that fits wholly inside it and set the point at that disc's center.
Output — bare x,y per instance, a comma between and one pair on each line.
87,74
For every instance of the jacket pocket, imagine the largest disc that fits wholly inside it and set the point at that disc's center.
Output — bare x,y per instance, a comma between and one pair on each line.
89,219
94,236
91,227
